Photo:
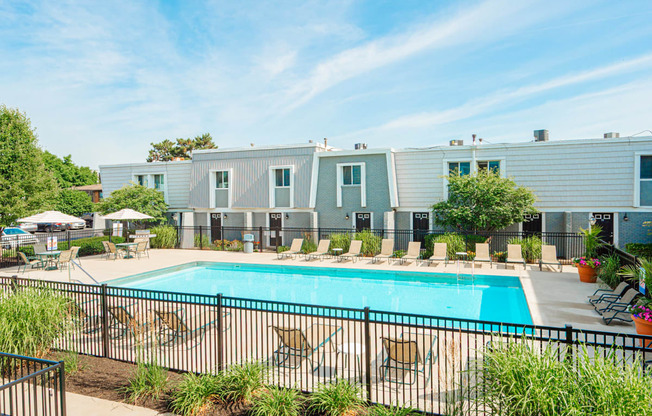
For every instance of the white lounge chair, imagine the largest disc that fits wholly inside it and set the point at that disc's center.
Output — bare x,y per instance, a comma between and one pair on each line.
386,251
549,256
482,254
321,252
354,251
514,255
413,252
293,252
439,254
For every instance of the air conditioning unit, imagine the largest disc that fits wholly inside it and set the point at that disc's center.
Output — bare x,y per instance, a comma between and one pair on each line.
457,142
611,135
540,135
360,146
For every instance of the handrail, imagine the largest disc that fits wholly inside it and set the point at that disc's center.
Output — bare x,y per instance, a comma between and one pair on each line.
85,272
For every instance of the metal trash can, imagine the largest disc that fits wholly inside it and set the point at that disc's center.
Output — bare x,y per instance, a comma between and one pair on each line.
248,240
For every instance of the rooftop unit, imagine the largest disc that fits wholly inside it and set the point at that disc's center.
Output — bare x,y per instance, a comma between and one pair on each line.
611,135
360,146
457,142
541,135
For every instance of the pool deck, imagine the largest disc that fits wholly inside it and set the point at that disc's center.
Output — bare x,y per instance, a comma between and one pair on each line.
555,299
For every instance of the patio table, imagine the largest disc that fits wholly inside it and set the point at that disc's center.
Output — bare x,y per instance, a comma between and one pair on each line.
127,247
49,257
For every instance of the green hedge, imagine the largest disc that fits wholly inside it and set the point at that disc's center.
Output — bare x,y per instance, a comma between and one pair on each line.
639,249
454,243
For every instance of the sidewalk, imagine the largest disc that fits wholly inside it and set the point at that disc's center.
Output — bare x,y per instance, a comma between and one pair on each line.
79,405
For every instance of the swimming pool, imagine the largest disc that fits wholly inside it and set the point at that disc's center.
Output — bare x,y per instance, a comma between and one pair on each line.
486,298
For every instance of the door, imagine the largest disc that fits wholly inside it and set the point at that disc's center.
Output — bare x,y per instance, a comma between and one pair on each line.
362,221
275,226
532,224
606,221
216,226
420,225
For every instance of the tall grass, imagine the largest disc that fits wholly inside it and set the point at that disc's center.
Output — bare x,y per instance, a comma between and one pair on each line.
393,410
608,270
341,398
278,402
31,320
370,242
149,381
340,240
166,237
530,247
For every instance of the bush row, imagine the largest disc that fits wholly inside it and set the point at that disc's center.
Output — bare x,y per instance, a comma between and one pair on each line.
639,249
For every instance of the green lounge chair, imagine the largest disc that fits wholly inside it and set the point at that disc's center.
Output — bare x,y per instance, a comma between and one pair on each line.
123,322
407,356
439,254
514,255
296,345
482,254
614,304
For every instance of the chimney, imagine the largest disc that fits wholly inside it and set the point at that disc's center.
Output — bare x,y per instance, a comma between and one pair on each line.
456,142
540,135
360,146
473,135
325,142
480,140
611,135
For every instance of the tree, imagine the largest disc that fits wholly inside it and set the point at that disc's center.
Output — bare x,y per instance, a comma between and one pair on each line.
26,186
139,198
74,203
67,173
483,202
168,150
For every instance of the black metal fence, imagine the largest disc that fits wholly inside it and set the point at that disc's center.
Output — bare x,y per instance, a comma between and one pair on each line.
434,364
31,386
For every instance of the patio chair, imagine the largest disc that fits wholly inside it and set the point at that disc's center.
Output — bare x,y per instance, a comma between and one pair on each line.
613,304
34,263
64,259
39,248
293,252
439,254
514,255
413,253
608,294
123,322
75,253
549,257
482,254
113,251
176,326
321,252
296,345
386,251
354,251
407,355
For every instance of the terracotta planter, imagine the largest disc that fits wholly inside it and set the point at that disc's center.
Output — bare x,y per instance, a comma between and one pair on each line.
643,327
587,274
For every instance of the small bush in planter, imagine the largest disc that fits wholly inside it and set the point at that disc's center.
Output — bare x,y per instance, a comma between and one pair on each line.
149,381
278,402
608,271
195,394
308,245
499,256
341,398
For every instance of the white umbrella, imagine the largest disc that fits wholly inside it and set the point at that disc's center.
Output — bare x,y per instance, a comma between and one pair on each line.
50,216
127,214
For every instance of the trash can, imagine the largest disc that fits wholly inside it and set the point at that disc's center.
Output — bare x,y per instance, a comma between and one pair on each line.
248,240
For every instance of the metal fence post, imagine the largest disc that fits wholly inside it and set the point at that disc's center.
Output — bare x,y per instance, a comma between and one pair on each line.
62,388
222,236
105,321
201,237
569,342
367,357
260,239
277,233
220,334
68,238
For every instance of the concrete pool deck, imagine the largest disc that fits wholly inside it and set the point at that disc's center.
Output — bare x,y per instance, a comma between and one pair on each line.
555,299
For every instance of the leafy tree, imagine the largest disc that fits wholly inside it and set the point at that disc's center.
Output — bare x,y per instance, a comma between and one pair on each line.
73,202
483,202
26,186
67,173
168,150
139,198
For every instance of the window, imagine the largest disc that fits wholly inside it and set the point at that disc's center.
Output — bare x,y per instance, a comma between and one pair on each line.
283,178
493,165
222,179
159,182
645,181
351,175
459,168
141,180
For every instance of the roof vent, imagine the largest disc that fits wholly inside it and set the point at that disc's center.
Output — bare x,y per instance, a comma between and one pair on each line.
611,135
360,146
540,135
457,142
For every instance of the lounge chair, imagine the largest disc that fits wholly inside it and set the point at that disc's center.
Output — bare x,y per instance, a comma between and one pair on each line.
408,355
608,294
439,254
549,256
413,252
296,345
86,316
621,302
64,259
354,251
123,322
321,252
386,251
293,252
514,255
34,263
482,254
176,326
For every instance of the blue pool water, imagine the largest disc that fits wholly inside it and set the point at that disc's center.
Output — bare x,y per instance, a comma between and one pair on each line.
487,298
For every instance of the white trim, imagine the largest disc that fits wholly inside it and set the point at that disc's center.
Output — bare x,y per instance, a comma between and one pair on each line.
150,181
364,152
616,229
391,179
314,180
148,164
212,184
272,185
267,147
363,182
371,219
637,179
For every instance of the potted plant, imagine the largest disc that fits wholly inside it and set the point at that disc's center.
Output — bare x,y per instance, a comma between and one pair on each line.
642,316
587,264
641,313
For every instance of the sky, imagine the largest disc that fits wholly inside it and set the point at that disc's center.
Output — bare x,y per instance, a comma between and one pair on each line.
102,80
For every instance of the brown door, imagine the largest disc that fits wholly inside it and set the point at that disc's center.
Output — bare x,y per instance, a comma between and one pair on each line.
216,226
275,226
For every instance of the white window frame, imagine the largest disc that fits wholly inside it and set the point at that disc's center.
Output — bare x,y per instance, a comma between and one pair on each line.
150,181
637,178
272,185
213,184
363,182
474,168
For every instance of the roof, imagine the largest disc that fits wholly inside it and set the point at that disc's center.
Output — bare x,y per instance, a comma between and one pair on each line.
94,187
265,147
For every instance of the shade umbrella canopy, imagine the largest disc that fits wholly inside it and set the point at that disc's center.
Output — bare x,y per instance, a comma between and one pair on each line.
50,216
127,214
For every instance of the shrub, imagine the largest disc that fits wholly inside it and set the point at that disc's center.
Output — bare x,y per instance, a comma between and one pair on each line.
149,381
243,382
340,240
639,249
89,246
399,253
166,237
392,410
71,362
370,242
308,245
278,402
282,249
608,271
338,399
203,241
500,256
235,245
455,243
31,320
194,394
530,247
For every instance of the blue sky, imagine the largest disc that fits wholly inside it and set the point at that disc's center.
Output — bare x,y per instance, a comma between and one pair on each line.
101,80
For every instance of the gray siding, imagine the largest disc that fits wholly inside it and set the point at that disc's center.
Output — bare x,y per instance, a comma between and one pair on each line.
377,193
